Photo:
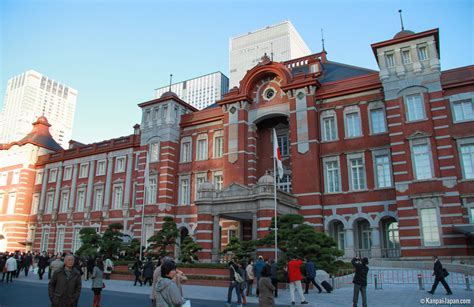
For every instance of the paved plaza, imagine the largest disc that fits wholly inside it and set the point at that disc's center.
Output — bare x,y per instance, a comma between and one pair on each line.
123,293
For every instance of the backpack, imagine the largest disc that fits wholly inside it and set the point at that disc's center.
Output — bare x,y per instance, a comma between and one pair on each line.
237,276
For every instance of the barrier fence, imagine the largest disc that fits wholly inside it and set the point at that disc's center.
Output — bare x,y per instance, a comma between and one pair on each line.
421,278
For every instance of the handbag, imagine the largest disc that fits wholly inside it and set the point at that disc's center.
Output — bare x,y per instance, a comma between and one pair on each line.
237,276
5,269
445,273
103,285
109,268
187,304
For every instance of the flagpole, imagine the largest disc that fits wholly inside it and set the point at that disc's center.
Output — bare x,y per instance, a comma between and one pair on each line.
275,196
143,205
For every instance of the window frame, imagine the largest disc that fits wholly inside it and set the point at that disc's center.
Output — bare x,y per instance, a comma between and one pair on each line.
350,158
453,108
67,175
422,226
53,175
35,202
375,155
374,106
155,152
325,115
117,204
392,63
348,111
186,157
184,200
407,109
98,206
326,179
39,177
151,198
218,147
100,171
83,170
460,143
417,142
202,137
80,207
63,207
219,185
419,48
406,60
122,169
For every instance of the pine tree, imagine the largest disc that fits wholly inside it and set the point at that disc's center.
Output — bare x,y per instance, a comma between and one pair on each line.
240,250
189,249
112,240
91,241
164,238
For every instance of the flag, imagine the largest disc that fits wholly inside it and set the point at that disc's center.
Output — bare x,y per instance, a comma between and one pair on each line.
277,155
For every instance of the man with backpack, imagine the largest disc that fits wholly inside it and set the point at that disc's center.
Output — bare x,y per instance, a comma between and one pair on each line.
235,280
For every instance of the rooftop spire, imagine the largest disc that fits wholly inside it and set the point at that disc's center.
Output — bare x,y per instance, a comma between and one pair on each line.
171,80
271,47
401,19
322,39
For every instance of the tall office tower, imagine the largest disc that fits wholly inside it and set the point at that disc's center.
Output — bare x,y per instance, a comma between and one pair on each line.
199,92
30,95
246,50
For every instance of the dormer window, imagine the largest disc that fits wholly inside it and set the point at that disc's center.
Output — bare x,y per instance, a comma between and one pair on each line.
389,59
406,59
422,53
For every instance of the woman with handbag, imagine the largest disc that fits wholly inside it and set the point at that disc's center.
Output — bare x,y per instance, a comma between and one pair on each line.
97,281
108,267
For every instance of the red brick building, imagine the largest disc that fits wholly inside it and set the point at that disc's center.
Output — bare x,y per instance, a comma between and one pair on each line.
383,161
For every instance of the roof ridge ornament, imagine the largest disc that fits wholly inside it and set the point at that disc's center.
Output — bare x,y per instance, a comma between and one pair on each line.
264,60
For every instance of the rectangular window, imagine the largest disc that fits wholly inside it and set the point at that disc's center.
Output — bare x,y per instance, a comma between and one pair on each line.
186,152
101,168
152,187
353,125
471,215
284,184
3,179
67,173
406,59
283,144
49,202
60,240
331,171
383,176
429,223
202,148
16,177
35,204
98,198
81,199
422,53
184,191
117,201
53,173
120,164
200,179
11,203
422,161
467,160
76,240
218,180
463,110
149,232
64,203
164,112
357,173
83,169
218,144
154,152
390,60
329,128
38,178
414,107
377,121
44,240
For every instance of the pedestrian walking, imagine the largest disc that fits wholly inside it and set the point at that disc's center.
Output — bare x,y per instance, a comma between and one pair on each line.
108,267
311,275
167,292
258,269
42,264
148,271
56,264
64,287
11,266
97,281
294,278
274,276
28,262
83,262
3,268
360,280
439,273
250,277
235,280
265,299
90,265
19,263
243,284
137,271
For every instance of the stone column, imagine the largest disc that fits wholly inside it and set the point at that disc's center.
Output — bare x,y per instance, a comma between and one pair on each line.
57,194
215,238
108,186
254,226
43,191
376,251
90,188
349,243
72,194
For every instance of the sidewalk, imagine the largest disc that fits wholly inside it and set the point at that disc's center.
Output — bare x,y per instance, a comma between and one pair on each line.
390,296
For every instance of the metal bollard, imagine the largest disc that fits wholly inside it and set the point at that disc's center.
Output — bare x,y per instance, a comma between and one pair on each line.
332,282
468,284
375,281
420,282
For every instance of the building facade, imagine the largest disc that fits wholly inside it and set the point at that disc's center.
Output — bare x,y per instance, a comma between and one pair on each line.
30,95
281,42
382,161
200,92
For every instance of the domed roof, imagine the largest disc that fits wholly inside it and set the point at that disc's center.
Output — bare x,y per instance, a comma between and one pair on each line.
206,186
42,120
169,94
403,33
265,179
40,135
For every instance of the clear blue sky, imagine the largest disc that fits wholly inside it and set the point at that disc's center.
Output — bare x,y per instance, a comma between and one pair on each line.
115,53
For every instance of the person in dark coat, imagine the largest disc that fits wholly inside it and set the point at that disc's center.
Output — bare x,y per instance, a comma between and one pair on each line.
27,263
64,288
90,266
360,280
148,272
2,265
137,271
43,263
310,276
265,299
258,269
439,274
234,284
274,276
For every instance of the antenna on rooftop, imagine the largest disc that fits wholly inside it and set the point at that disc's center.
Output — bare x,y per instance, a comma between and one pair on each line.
271,49
401,19
171,80
322,39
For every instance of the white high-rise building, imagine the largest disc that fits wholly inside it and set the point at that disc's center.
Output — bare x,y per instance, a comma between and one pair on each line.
30,95
245,51
199,92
